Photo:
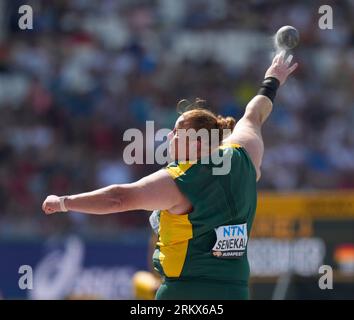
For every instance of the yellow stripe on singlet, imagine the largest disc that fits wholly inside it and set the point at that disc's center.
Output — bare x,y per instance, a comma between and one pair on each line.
230,145
176,172
174,232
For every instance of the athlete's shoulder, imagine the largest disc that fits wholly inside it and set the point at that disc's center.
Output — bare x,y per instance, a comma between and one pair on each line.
176,169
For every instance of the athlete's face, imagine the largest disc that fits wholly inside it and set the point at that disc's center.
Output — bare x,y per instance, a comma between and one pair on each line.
174,138
180,145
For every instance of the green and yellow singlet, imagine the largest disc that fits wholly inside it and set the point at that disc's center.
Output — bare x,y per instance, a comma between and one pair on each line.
209,243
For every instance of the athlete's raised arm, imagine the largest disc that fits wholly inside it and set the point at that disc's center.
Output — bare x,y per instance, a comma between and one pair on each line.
259,108
247,131
156,191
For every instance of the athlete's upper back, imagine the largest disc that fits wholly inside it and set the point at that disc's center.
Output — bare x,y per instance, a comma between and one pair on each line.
211,240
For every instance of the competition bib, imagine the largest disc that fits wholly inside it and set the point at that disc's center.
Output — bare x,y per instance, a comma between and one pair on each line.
231,241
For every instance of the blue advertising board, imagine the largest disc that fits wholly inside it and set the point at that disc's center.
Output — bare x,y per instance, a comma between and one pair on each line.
70,268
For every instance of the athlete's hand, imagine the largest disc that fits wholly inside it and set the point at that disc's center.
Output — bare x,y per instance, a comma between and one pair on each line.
281,69
51,204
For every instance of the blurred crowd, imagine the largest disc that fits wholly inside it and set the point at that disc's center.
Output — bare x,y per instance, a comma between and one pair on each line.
91,69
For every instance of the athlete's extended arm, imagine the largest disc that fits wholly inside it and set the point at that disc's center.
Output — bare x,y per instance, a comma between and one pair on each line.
156,191
247,131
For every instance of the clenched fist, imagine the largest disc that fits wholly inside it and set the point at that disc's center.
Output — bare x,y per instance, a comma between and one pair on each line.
51,204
